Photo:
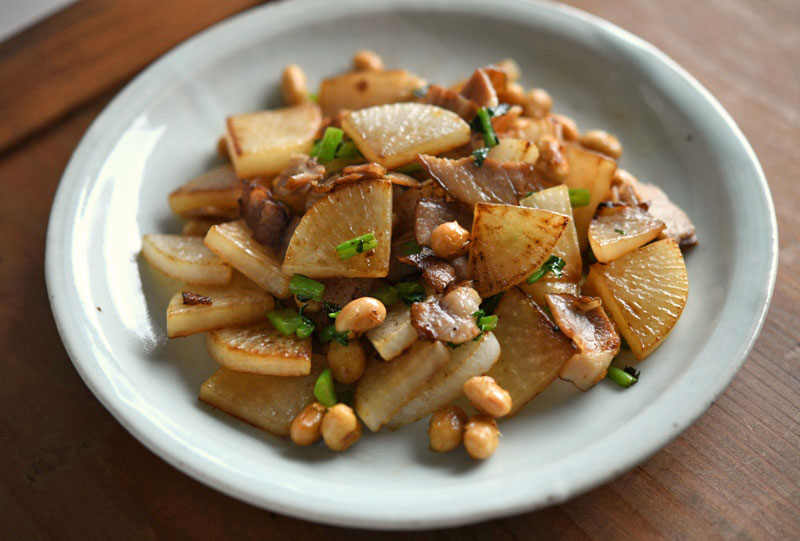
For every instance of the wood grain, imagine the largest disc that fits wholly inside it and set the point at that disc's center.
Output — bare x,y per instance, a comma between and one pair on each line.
88,48
69,470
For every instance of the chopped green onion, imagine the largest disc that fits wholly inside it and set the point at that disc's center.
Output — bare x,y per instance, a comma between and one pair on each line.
306,289
488,323
623,378
479,155
388,296
330,143
313,96
619,231
489,304
332,310
579,197
358,245
554,264
348,151
323,389
484,121
305,329
410,169
330,333
287,321
315,148
410,292
409,248
307,324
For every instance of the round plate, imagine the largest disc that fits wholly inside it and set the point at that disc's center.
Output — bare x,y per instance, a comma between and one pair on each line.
161,130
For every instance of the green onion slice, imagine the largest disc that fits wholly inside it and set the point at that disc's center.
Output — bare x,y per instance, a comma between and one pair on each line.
489,304
330,334
287,321
358,245
388,296
479,155
485,122
306,289
410,292
329,144
623,378
579,197
488,323
323,389
348,151
553,264
410,248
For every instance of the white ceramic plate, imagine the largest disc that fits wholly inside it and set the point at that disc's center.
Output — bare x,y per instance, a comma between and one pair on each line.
161,130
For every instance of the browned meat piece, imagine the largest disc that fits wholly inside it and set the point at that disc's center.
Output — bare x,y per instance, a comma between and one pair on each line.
437,273
627,189
358,173
584,321
265,216
405,201
452,101
497,76
448,319
492,182
678,225
340,291
194,298
504,123
293,185
398,269
299,173
401,179
479,89
430,213
461,266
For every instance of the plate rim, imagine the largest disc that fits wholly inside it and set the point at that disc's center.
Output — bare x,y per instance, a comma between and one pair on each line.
71,332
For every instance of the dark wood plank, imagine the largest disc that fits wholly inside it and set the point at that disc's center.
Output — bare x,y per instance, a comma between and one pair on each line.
69,470
88,48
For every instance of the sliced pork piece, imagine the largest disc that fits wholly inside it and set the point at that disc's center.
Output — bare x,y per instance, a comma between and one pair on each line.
626,188
351,173
584,321
400,270
678,225
480,90
452,101
265,216
448,319
437,273
430,213
492,182
340,291
301,171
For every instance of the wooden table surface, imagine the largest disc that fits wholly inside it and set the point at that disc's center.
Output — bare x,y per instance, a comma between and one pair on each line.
69,470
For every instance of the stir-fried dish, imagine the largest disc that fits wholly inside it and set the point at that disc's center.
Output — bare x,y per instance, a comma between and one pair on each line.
384,249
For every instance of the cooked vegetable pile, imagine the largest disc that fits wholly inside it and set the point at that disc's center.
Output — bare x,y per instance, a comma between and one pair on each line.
374,252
